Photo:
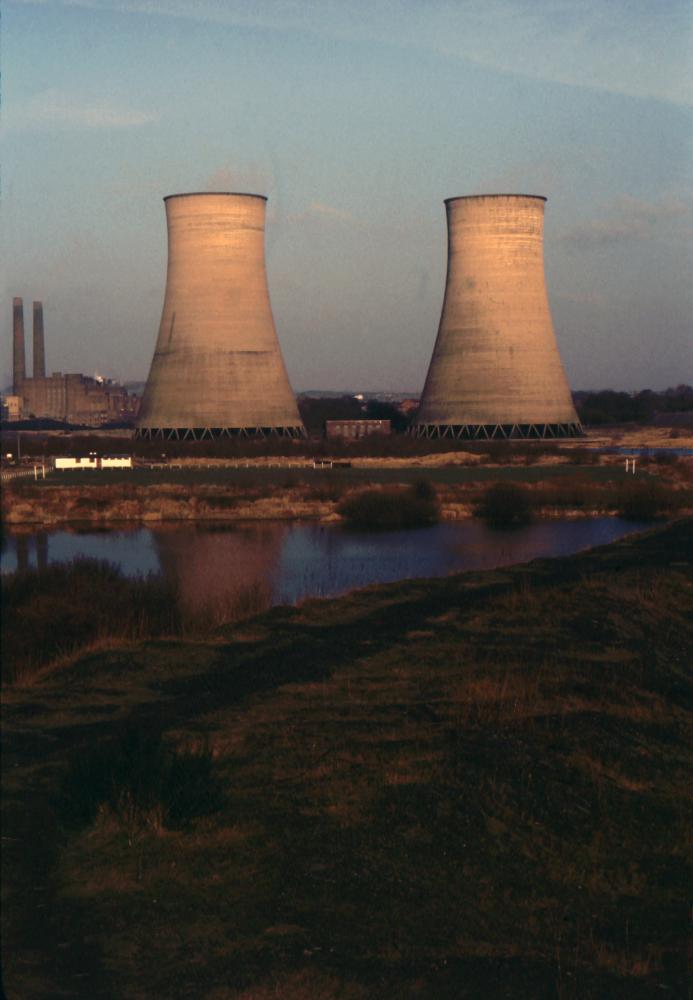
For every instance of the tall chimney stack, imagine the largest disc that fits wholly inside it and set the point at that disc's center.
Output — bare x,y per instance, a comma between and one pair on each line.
39,345
18,358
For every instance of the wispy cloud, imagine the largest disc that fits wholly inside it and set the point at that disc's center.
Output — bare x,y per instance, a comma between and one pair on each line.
251,179
319,212
632,47
56,108
536,176
627,220
320,209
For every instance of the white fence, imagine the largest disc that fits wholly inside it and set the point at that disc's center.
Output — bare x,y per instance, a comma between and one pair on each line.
23,472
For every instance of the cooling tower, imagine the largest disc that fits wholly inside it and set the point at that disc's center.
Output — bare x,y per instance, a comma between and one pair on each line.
496,370
217,368
18,357
39,345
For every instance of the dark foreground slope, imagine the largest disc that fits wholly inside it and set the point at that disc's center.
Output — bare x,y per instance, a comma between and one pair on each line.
472,787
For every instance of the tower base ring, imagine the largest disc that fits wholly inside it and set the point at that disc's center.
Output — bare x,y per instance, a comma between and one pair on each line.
215,433
507,432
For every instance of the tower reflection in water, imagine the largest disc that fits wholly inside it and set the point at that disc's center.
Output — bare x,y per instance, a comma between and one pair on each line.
22,548
221,574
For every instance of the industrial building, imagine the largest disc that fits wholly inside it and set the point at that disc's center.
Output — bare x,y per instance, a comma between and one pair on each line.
71,398
11,407
496,371
217,369
92,461
353,430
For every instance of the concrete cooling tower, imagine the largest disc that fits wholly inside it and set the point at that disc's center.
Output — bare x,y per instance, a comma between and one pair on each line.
217,369
496,370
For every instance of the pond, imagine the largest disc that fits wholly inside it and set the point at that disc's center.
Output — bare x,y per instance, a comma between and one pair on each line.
284,562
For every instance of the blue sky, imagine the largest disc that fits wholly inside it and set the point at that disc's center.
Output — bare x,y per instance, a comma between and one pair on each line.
357,119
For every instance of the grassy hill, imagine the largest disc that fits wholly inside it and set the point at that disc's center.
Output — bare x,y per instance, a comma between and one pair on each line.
469,787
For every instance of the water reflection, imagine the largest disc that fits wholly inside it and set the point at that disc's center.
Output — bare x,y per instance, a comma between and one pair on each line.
22,553
218,570
282,562
41,549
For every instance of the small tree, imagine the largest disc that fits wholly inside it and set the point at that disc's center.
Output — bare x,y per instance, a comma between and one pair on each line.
393,508
645,501
505,504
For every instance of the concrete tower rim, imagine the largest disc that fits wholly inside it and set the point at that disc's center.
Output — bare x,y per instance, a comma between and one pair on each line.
480,197
215,194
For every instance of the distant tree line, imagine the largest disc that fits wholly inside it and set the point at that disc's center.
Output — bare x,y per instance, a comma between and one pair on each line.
594,408
610,407
316,410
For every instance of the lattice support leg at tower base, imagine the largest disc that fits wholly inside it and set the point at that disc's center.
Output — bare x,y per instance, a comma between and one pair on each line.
215,433
490,432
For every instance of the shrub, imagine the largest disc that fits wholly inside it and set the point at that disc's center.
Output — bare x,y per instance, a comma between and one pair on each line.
396,508
141,781
666,458
329,492
583,456
222,502
505,504
49,613
571,494
423,489
499,452
645,500
53,613
227,608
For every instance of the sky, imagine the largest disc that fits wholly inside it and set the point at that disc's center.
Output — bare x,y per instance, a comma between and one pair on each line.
357,118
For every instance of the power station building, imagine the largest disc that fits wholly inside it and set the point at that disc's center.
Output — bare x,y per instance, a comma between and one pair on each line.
217,369
71,398
495,370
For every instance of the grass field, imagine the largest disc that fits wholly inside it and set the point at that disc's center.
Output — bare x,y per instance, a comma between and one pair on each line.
469,787
265,493
268,476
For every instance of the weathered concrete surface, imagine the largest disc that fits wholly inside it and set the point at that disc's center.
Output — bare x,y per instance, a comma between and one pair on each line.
18,355
39,359
217,362
495,359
